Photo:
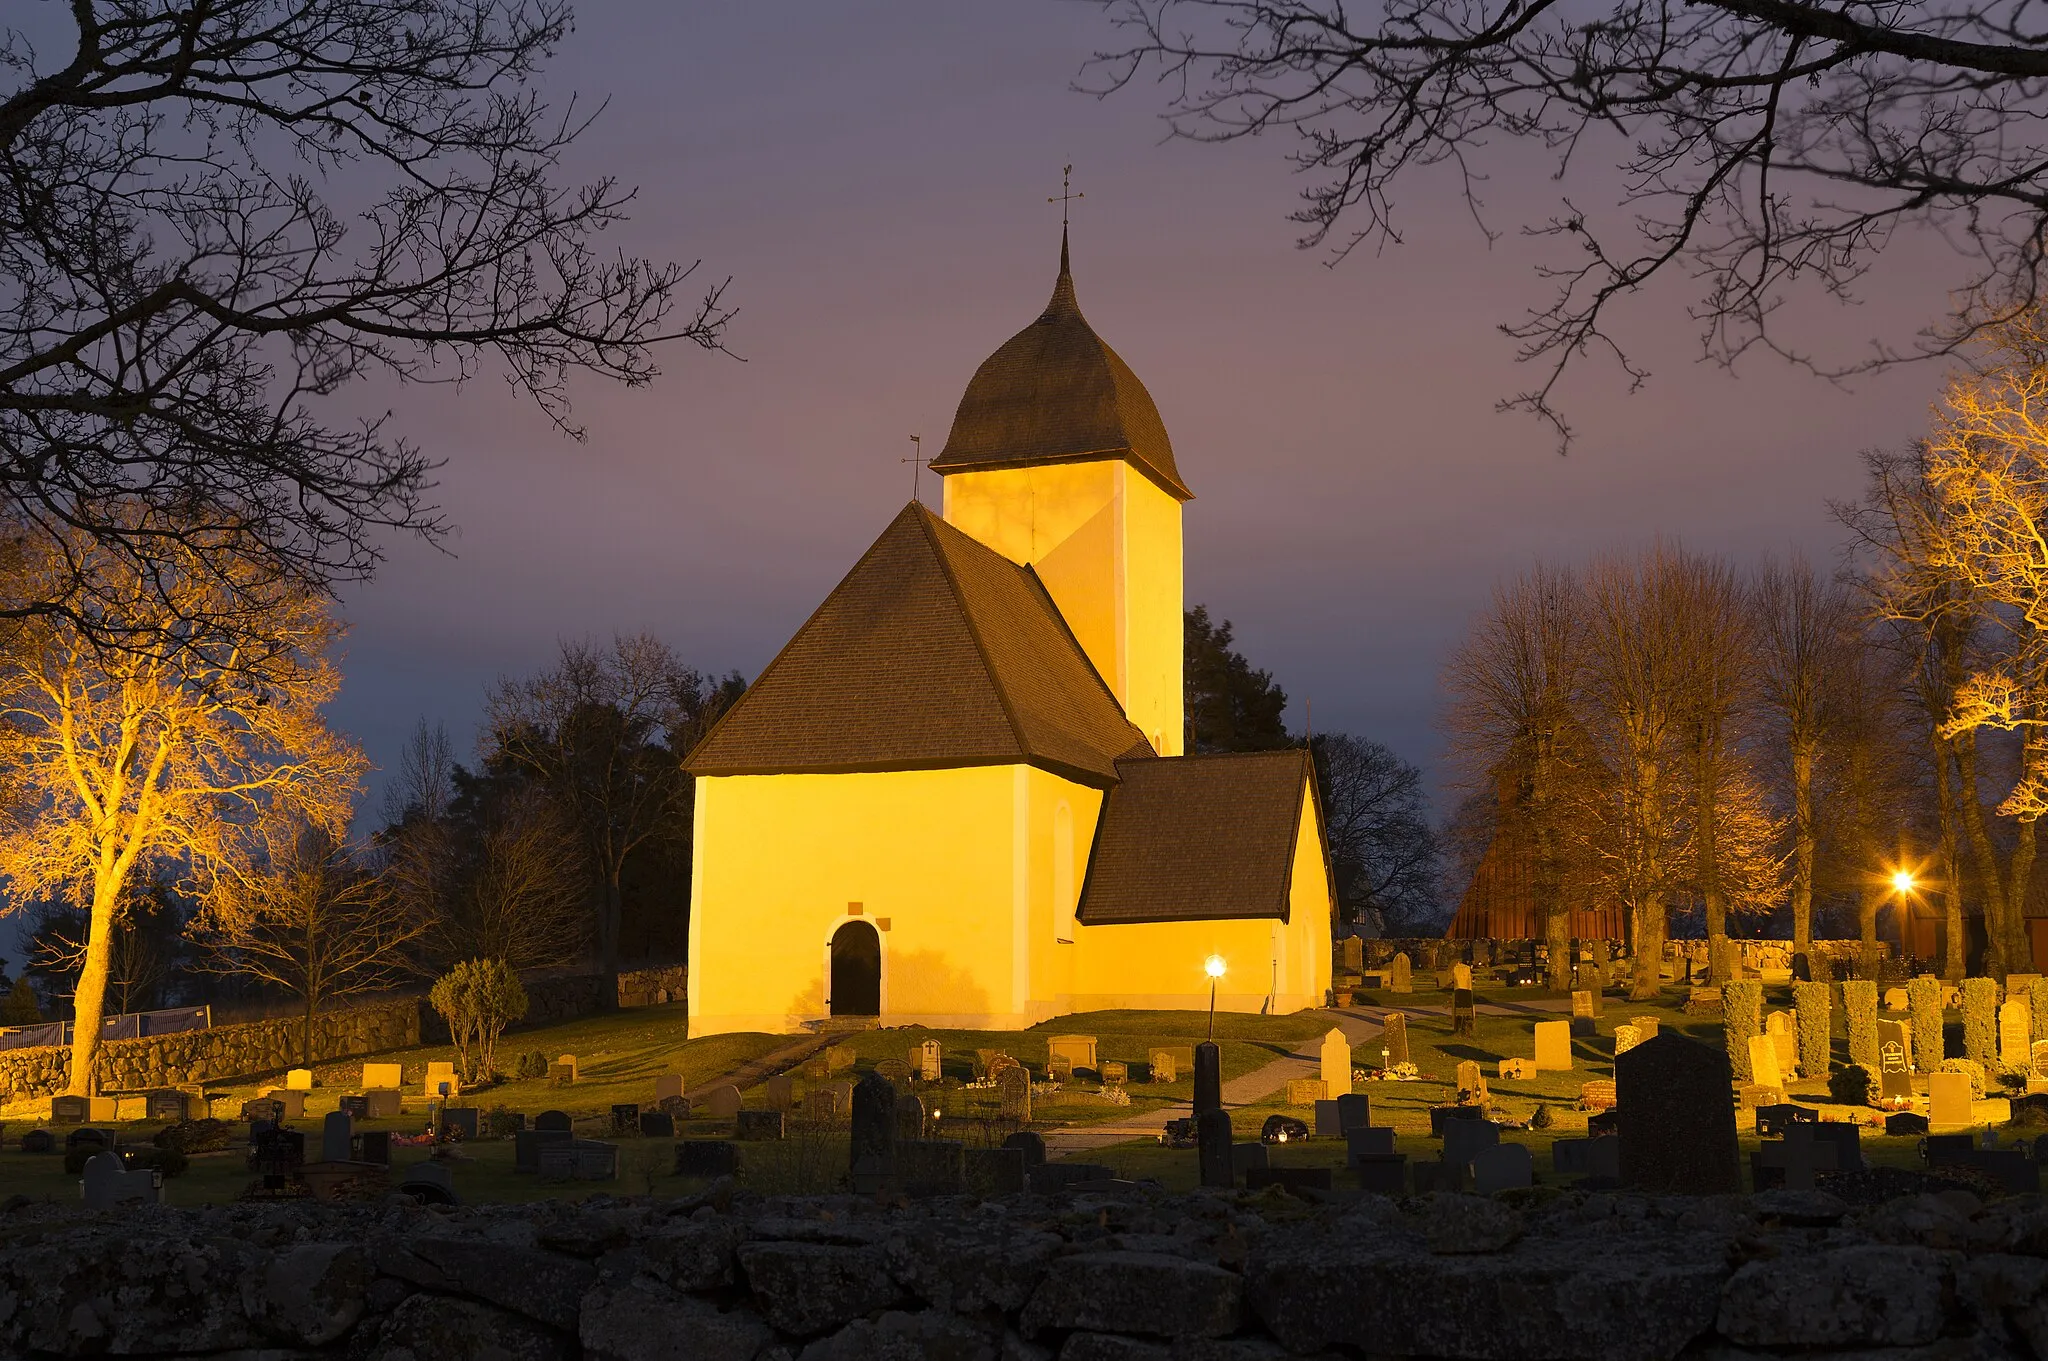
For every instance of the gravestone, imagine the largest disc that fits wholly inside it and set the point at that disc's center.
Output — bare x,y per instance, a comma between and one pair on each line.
1597,1095
1336,1064
1463,1139
1354,1111
357,1107
2039,1051
1894,1059
625,1118
1553,1046
895,1070
1675,1122
1031,1144
1517,1070
1115,1073
1626,1037
1306,1091
871,1153
995,1171
299,1079
754,1126
909,1117
1582,1005
662,1125
170,1106
1077,1050
2015,1033
337,1138
383,1075
1394,1037
108,1183
1773,1121
838,1058
375,1147
723,1102
1013,1095
461,1121
1464,1014
781,1092
1401,977
1248,1157
1208,1078
1461,976
1059,1068
291,1103
1783,1028
707,1158
383,1103
1212,1148
1646,1024
925,1058
1367,1141
931,1167
667,1085
1469,1081
1763,1062
1354,954
552,1121
1948,1099
1504,1167
1327,1122
440,1080
1795,1158
69,1110
1161,1063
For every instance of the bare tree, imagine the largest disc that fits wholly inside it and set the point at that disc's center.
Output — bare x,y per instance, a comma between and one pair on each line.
1382,849
1513,687
520,889
602,734
213,216
310,919
1718,661
1806,629
1762,145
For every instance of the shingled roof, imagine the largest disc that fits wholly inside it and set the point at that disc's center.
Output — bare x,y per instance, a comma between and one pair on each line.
934,652
1056,393
1197,838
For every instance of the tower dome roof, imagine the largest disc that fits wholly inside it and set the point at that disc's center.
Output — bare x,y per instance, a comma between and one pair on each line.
1056,393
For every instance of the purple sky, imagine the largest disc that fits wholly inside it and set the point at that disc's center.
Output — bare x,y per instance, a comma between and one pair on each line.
873,177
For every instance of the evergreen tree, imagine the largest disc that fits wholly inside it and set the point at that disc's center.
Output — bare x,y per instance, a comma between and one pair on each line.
1230,705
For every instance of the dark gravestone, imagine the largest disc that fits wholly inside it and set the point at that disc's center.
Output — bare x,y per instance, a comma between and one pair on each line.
1287,1178
1464,1015
707,1158
1374,1141
1212,1147
39,1141
355,1107
375,1147
931,1167
2010,1169
69,1110
103,1138
756,1125
1676,1120
1384,1174
1772,1120
1939,1150
460,1121
553,1121
661,1125
1031,1144
1907,1123
1208,1078
1354,1111
528,1143
168,1106
625,1119
1847,1139
871,1152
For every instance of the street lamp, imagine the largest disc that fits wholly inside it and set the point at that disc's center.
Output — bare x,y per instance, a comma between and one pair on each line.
1213,966
1904,882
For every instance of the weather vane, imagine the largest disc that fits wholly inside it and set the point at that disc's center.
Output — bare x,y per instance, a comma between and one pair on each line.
916,462
1066,193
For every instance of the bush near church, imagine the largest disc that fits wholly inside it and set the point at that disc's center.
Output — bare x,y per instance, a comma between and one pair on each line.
1980,1022
1816,1027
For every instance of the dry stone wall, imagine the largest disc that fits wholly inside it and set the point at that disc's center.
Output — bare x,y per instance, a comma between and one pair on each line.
1112,1275
218,1054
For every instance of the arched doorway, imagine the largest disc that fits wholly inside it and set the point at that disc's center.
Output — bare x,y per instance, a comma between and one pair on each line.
856,970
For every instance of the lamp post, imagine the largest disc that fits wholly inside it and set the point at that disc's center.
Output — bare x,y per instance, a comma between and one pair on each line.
1213,966
1903,884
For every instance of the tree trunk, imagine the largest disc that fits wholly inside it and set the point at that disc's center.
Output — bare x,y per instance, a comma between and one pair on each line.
1707,858
1983,852
1868,900
1647,973
1953,962
609,921
2019,952
1803,841
89,1003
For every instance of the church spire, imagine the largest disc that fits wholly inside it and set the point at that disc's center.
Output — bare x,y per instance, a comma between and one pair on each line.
1063,304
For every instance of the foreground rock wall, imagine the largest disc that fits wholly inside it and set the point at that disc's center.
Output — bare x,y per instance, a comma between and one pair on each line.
1109,1276
219,1054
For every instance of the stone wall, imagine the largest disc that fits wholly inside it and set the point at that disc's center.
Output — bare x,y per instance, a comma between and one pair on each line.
654,987
219,1054
1430,953
1114,1275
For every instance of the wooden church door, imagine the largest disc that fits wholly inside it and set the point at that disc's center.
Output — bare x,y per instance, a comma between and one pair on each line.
856,970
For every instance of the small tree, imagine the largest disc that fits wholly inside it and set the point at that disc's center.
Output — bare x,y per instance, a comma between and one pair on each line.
22,1006
478,998
1859,1004
1742,1002
1816,1027
1980,1020
1923,998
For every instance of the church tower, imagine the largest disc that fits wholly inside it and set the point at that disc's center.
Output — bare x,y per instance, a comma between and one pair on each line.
1058,460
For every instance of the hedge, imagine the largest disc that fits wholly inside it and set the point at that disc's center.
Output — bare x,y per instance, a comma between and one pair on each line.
1816,1027
1859,1003
1742,1004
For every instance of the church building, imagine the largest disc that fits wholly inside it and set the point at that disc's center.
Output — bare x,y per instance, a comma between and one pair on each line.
959,796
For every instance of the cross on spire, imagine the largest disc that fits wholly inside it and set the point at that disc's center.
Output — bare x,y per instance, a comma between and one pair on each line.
1066,196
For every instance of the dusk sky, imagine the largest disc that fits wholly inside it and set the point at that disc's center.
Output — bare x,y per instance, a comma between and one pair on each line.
874,180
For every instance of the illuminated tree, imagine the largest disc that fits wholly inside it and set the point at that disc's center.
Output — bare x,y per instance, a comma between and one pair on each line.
214,216
1758,146
1514,685
478,998
307,917
170,751
1806,629
1718,660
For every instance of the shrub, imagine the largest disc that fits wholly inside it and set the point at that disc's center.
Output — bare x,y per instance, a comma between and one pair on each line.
169,1161
1923,999
1969,1068
1859,1006
1742,1004
1823,968
196,1136
478,998
22,1006
1542,1118
1980,1020
1816,1027
1851,1086
500,1123
531,1064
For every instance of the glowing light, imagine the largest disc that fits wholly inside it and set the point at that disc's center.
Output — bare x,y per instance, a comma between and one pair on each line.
1213,966
1903,881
